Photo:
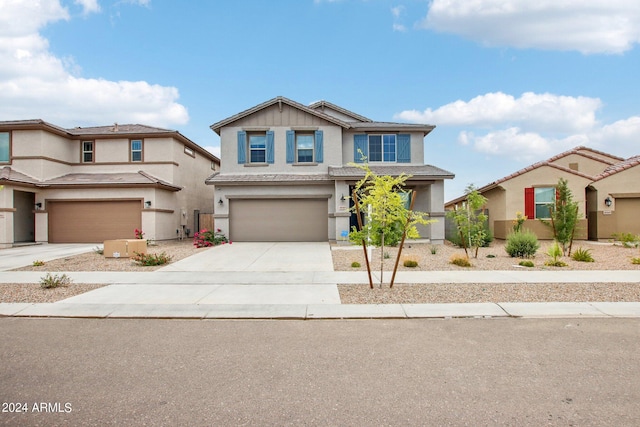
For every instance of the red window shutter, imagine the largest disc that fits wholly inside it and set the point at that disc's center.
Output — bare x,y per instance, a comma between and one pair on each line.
529,203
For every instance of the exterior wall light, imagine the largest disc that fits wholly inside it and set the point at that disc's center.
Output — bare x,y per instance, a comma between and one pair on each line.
220,202
608,201
343,198
38,205
147,204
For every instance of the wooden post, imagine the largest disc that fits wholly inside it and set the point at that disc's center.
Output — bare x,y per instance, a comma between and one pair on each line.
364,244
404,235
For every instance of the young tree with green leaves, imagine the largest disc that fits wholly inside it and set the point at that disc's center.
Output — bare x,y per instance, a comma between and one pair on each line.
564,216
471,221
382,196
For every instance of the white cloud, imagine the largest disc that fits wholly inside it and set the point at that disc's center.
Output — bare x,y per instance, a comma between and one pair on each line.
532,111
397,11
594,26
88,6
531,127
34,83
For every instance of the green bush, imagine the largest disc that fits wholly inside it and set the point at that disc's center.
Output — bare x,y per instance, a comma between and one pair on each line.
38,263
582,255
355,264
526,263
410,263
487,238
628,240
522,244
635,261
99,250
150,259
55,281
555,252
434,250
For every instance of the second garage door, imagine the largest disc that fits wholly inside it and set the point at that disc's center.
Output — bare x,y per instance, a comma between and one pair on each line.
627,215
278,220
94,221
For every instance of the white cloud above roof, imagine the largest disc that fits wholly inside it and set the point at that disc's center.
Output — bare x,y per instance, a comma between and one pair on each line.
34,83
531,126
594,26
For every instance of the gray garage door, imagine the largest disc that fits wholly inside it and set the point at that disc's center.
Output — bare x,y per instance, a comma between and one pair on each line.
278,220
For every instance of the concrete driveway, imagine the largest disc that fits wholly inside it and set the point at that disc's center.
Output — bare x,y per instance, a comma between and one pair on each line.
22,256
259,256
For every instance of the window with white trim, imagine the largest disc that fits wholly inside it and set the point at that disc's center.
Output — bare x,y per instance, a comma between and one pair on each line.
545,197
5,147
257,147
305,143
87,151
136,150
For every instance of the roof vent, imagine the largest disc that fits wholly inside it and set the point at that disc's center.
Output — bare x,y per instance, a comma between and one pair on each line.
115,127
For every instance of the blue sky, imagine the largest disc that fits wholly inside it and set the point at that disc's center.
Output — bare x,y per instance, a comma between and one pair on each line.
506,82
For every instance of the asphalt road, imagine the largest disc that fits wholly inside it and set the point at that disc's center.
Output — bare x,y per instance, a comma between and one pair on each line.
471,372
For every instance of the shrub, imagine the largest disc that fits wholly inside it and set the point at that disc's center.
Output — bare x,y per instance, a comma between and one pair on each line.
410,262
206,238
38,263
55,281
151,259
635,260
355,264
523,244
139,234
526,263
583,255
491,256
434,250
460,260
99,250
555,252
628,240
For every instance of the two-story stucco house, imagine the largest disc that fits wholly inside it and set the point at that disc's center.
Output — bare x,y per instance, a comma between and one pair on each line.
87,185
285,174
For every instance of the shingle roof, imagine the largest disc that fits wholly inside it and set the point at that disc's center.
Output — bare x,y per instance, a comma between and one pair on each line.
320,105
418,171
9,175
618,167
117,129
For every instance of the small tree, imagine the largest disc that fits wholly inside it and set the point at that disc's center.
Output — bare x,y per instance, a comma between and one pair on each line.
471,221
389,215
564,217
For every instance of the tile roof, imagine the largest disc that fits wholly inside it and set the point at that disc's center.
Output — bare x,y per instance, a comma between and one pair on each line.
618,167
118,129
417,171
320,105
87,179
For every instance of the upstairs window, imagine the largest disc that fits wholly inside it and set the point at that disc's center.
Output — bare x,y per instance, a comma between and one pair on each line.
136,150
87,151
5,147
255,147
390,148
304,147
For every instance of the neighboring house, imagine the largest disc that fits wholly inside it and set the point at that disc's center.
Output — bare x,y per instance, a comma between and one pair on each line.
595,180
87,185
286,174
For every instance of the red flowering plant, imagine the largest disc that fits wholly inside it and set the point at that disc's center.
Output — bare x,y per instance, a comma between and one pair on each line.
206,238
139,234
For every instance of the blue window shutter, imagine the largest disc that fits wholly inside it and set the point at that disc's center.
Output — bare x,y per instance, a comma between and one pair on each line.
291,146
319,147
404,148
360,143
242,147
270,148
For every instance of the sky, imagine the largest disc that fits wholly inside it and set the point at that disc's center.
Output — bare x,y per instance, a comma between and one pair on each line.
506,82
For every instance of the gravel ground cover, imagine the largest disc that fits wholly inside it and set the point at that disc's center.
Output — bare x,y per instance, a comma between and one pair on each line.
607,257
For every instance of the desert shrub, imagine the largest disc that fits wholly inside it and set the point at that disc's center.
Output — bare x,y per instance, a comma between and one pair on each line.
460,260
523,244
38,263
526,263
434,250
409,262
583,255
99,250
207,238
635,260
491,256
54,281
355,264
555,252
386,255
150,259
628,240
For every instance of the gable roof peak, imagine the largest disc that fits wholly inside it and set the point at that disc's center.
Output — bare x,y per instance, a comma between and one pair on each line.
322,105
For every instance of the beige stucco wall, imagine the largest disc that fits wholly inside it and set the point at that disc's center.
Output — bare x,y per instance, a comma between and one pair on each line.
585,165
623,184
